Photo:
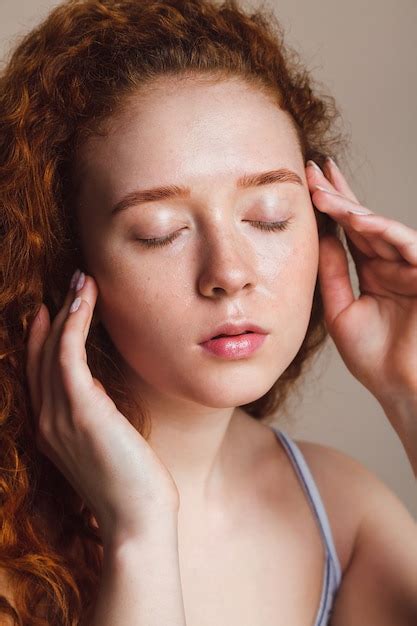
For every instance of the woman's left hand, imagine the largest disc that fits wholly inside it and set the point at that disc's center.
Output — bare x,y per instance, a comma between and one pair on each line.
375,334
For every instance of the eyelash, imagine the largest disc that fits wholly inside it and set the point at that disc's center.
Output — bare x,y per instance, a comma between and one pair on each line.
265,226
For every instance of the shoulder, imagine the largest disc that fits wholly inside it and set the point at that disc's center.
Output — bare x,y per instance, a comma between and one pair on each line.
343,478
332,466
379,574
345,486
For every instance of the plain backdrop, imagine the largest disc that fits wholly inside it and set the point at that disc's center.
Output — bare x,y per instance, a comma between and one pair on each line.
364,54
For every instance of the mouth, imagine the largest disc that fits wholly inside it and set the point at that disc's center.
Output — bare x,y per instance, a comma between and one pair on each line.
235,345
235,328
234,335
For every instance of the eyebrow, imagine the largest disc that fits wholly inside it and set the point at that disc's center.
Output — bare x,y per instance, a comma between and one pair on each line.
281,175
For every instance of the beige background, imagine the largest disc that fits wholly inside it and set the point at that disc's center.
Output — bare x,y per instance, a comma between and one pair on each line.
364,53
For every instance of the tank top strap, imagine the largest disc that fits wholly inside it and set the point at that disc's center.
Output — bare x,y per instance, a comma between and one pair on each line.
310,487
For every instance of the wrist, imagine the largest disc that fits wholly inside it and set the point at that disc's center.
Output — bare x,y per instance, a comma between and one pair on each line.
401,411
154,533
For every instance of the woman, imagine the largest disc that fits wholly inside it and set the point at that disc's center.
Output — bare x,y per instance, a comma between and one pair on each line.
162,153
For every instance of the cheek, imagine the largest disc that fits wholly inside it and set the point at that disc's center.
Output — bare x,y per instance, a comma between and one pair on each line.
292,268
293,292
132,301
139,308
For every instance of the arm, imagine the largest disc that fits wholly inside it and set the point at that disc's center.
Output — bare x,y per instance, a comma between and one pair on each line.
401,411
379,587
141,582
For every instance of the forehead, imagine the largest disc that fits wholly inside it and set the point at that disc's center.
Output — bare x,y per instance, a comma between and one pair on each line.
184,130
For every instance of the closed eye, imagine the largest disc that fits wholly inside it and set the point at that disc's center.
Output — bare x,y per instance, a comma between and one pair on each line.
266,226
272,225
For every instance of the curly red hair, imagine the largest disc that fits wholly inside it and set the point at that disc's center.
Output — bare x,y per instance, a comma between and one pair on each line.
62,82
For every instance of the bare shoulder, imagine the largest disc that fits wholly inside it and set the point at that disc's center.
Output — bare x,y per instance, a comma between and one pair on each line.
339,479
379,576
345,486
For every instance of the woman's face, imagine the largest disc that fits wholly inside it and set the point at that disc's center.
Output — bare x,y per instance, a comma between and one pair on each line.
159,303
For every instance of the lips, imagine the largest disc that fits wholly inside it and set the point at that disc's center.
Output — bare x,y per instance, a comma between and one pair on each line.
233,334
230,329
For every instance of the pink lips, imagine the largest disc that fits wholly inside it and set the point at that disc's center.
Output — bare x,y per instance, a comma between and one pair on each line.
234,327
234,347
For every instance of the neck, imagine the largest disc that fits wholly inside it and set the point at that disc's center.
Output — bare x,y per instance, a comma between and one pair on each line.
200,453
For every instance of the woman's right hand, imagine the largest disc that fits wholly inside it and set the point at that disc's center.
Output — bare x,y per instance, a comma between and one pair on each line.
107,461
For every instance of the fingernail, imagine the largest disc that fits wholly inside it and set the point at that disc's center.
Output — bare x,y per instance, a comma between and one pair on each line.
75,305
314,164
74,279
327,190
360,212
81,281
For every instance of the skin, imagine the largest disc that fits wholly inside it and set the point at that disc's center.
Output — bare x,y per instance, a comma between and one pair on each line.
384,252
157,304
207,455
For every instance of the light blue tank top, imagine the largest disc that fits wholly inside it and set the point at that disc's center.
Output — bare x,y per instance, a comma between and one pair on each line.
333,571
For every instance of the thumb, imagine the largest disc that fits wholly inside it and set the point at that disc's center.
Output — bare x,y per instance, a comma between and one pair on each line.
335,285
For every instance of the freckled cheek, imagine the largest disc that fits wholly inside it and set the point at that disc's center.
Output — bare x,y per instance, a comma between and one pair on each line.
294,261
135,305
291,279
292,291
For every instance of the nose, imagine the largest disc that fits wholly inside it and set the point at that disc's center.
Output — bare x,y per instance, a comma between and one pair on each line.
228,267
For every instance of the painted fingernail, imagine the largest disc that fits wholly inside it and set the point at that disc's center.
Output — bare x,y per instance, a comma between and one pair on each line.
74,279
360,212
75,305
81,281
314,164
327,191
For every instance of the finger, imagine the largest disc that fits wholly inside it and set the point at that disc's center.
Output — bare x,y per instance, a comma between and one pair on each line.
335,175
400,246
74,371
47,370
37,346
359,248
400,278
338,207
360,242
399,236
329,179
88,293
38,332
315,176
377,247
335,284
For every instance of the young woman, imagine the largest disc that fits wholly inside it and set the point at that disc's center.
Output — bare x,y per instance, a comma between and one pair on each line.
163,152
